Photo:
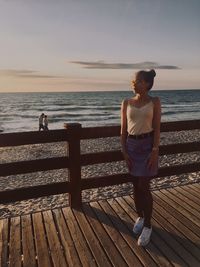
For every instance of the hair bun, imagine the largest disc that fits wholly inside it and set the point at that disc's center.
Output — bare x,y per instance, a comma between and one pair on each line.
153,73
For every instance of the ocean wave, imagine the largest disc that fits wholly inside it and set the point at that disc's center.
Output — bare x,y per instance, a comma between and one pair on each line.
19,112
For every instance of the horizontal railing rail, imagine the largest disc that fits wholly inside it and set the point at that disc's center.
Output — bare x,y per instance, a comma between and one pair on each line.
111,131
25,193
74,160
95,182
29,166
111,156
29,138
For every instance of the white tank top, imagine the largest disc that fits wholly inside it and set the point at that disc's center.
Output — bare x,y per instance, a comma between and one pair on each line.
139,120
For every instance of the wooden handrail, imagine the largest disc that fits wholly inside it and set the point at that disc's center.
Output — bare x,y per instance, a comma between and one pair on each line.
174,126
115,179
22,167
34,192
116,155
29,138
34,166
74,160
111,131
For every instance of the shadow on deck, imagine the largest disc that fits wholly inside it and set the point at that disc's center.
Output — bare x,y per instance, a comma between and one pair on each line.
100,234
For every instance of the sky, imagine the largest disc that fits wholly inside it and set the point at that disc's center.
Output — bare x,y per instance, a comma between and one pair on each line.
92,45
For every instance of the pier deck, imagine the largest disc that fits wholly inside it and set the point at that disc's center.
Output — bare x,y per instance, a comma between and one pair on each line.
100,234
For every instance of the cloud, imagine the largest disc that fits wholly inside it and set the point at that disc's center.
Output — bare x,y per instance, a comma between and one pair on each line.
141,65
26,74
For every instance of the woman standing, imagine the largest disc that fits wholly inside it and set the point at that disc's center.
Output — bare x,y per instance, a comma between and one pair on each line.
46,123
140,138
41,126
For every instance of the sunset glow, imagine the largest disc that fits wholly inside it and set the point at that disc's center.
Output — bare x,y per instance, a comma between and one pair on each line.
98,45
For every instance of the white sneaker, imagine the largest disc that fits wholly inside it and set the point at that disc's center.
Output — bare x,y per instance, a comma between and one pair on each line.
145,236
137,228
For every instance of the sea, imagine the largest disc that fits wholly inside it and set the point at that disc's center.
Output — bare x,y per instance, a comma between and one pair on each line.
19,112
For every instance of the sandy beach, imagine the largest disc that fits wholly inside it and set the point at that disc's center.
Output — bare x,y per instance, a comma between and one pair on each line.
12,154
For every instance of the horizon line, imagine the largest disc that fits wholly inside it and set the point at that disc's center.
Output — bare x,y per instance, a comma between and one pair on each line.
94,91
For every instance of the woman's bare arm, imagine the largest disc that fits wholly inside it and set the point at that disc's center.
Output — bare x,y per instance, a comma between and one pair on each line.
124,133
156,123
156,140
123,125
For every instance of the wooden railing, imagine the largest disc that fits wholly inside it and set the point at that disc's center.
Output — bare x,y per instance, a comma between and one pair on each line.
75,160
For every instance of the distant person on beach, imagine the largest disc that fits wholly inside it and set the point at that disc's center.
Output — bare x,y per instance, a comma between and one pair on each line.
140,138
41,125
46,123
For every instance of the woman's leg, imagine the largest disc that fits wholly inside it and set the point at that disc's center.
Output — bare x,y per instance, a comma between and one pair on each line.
146,199
137,197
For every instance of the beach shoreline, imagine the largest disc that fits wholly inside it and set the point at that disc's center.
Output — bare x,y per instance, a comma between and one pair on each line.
39,151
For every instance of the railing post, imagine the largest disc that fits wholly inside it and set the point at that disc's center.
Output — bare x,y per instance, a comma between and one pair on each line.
74,130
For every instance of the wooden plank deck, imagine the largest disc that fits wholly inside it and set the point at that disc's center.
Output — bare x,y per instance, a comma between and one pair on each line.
100,234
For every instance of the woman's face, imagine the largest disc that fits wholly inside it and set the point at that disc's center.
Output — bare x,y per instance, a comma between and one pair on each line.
139,85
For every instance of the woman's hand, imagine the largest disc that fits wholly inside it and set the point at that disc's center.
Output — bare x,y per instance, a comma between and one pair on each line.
127,159
153,160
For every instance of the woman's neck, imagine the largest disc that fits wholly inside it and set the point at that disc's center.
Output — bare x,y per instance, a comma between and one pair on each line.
142,97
